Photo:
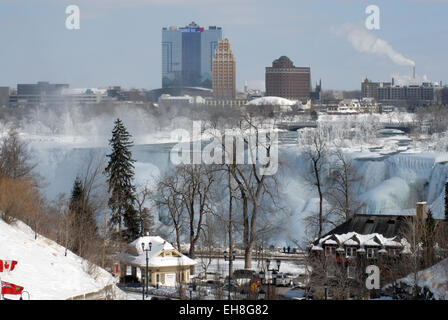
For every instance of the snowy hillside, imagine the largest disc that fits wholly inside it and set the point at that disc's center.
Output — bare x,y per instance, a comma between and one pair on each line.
42,268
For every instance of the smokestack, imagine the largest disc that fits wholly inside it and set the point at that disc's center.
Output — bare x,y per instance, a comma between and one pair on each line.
413,72
420,212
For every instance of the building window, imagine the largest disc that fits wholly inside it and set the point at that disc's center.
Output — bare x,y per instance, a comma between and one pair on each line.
351,272
350,252
331,271
330,251
371,253
393,252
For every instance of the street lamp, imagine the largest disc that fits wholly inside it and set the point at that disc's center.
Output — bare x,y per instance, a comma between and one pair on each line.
146,249
229,258
190,289
261,294
273,270
326,291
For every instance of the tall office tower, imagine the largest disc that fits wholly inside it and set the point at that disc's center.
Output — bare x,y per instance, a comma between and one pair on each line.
187,54
223,68
285,80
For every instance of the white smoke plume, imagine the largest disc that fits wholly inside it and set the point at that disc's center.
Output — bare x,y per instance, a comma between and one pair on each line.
406,80
366,41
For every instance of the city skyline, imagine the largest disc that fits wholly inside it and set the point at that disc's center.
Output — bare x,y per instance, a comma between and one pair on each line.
119,42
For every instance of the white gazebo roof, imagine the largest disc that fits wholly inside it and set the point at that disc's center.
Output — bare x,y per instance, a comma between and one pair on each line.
162,254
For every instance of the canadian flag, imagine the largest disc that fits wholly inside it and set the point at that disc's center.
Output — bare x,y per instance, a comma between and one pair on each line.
10,288
7,265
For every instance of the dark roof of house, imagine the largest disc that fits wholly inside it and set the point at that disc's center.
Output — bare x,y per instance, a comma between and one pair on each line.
387,225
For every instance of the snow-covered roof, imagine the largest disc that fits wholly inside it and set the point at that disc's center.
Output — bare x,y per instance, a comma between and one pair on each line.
162,253
316,247
271,101
356,239
350,242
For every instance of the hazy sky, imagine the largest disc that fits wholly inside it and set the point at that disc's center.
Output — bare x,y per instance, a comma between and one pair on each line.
119,41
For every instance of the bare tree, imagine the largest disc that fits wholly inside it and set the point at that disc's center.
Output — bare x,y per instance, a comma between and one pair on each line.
15,158
315,150
252,184
145,217
343,176
168,196
197,181
207,242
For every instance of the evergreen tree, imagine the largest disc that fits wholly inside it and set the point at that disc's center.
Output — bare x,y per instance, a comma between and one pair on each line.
120,173
429,240
83,224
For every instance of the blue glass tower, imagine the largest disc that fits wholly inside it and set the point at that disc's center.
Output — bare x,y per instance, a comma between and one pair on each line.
187,54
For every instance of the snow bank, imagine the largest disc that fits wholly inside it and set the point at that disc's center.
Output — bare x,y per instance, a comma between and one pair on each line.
434,278
43,269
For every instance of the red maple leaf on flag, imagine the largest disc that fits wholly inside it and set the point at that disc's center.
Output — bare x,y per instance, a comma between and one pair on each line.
7,265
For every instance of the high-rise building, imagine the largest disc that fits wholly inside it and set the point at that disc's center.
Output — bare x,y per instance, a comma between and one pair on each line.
187,54
285,80
223,69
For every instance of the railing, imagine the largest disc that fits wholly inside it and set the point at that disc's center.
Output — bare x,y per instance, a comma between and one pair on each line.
107,293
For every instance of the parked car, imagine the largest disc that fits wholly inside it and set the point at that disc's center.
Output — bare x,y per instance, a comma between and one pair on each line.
243,276
284,279
233,286
206,276
214,283
210,275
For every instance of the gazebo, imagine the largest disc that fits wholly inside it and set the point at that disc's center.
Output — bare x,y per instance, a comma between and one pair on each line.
166,265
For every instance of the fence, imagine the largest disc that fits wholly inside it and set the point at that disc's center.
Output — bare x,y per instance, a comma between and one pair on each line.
107,293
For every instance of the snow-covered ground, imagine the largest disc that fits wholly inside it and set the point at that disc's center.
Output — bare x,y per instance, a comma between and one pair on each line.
434,278
43,269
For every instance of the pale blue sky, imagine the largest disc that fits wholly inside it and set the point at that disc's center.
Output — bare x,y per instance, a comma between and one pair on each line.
119,40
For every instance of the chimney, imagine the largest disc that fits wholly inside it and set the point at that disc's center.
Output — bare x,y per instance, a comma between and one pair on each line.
413,72
421,211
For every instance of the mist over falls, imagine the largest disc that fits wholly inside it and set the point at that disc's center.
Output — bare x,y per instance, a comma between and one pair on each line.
63,141
394,184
